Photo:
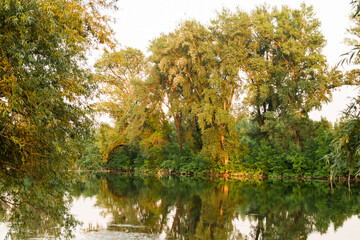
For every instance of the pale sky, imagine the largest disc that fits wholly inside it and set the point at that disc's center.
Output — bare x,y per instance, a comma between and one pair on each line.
140,21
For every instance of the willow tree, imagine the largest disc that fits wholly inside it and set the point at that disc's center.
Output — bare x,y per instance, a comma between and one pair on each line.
133,102
259,68
117,73
346,143
181,70
43,100
228,42
198,72
287,75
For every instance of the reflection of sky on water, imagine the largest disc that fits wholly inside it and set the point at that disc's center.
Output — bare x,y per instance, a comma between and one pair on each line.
169,222
242,225
85,210
350,230
111,235
95,221
3,230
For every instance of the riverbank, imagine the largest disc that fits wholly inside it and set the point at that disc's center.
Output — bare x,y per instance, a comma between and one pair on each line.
235,175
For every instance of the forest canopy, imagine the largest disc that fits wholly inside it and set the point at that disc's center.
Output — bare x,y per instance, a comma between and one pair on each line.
231,96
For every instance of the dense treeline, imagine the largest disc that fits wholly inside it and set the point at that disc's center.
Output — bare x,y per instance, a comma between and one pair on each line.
231,96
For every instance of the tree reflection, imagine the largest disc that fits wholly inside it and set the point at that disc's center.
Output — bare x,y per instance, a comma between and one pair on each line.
180,208
36,207
195,208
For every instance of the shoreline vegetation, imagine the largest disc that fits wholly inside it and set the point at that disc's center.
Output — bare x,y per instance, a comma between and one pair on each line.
179,109
231,176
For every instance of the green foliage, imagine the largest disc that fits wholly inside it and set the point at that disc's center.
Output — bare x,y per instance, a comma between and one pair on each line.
42,78
120,159
346,144
117,73
91,156
353,55
180,73
316,150
184,161
268,157
287,76
299,162
197,72
198,79
44,111
345,152
37,205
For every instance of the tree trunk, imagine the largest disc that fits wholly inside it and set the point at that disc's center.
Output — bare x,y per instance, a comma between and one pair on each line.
297,137
349,181
226,190
178,121
175,228
331,184
180,140
259,228
260,117
224,159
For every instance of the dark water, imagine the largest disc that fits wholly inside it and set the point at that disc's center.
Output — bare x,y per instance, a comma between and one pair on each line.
115,206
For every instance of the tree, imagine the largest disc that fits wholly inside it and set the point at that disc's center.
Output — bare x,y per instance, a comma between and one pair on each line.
354,53
117,72
43,46
287,73
346,143
181,72
229,40
44,90
131,99
197,69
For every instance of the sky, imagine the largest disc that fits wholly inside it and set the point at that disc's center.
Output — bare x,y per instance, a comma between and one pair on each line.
140,21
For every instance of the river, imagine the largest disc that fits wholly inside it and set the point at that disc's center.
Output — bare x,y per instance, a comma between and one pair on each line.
116,206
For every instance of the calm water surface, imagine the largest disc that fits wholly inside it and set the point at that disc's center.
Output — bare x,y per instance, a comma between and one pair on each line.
115,206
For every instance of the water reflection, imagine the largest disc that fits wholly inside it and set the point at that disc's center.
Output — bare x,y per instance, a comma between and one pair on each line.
114,206
188,208
34,208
